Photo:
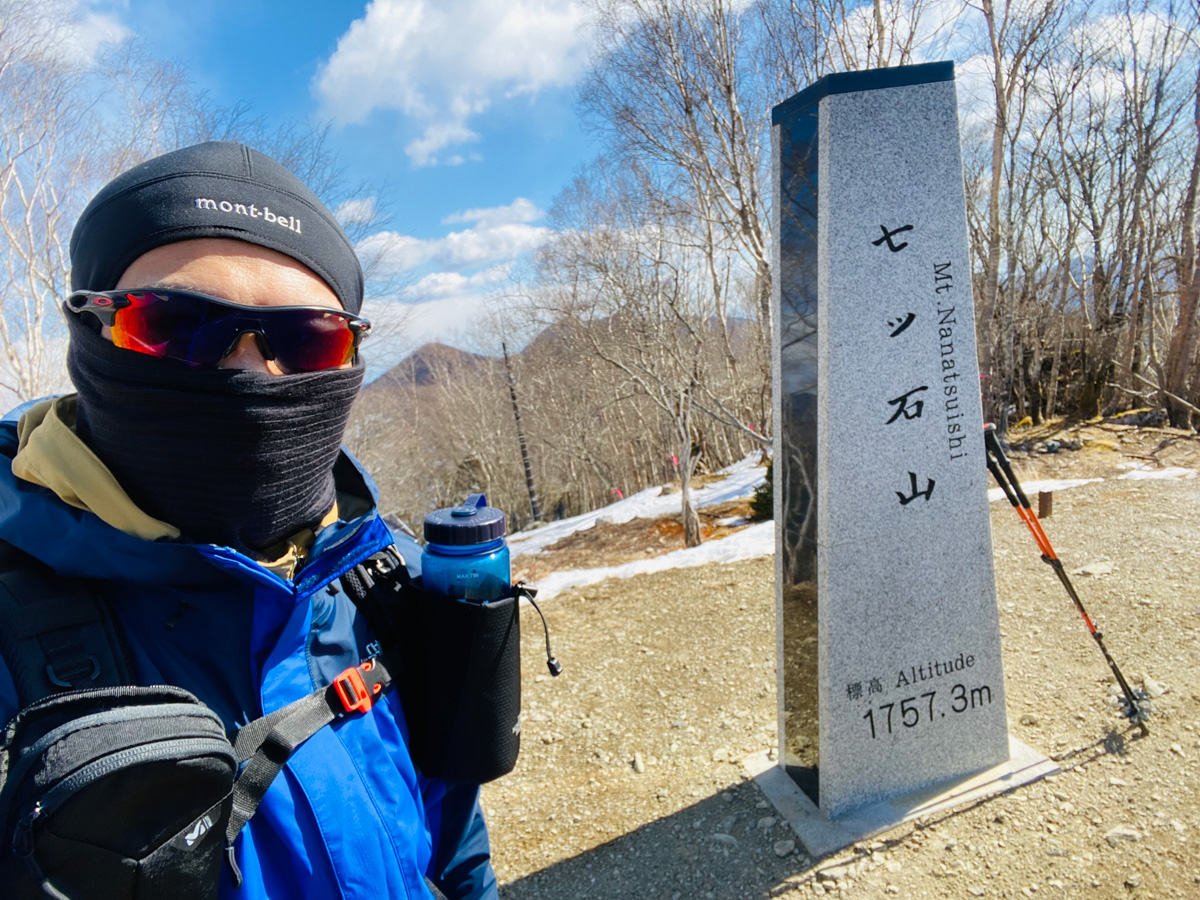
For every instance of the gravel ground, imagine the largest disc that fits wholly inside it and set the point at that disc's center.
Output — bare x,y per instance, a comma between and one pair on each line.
629,783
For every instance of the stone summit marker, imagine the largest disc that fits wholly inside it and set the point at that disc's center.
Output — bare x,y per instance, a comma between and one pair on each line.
890,673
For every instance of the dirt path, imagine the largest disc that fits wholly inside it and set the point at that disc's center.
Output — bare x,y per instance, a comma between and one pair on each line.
629,783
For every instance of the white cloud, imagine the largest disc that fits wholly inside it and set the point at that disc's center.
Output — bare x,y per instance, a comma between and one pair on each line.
393,253
976,96
442,61
357,211
403,327
446,284
475,246
443,319
520,211
452,281
74,32
86,37
438,136
491,241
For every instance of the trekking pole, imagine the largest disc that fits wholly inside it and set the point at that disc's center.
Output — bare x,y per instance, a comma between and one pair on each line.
998,465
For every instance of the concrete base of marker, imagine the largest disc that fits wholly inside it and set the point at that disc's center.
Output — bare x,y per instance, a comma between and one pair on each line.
822,836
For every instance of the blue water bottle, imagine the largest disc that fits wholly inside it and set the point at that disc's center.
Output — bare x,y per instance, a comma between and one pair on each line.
465,552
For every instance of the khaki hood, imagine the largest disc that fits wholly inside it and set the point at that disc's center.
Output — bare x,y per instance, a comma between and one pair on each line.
51,455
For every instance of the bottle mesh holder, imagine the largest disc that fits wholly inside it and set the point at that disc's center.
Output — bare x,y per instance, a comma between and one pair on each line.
462,684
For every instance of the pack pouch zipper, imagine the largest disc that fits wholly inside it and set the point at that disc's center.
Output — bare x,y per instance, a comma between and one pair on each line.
49,803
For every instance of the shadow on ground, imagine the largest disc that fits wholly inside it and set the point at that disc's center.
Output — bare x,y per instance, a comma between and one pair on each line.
713,849
717,849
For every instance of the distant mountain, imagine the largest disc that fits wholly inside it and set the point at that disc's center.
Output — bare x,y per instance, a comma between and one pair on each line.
439,364
548,341
429,365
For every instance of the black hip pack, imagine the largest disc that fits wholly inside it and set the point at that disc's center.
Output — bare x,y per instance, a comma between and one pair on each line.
112,790
106,789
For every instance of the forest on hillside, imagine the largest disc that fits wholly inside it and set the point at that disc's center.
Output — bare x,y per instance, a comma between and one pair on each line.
633,348
1080,125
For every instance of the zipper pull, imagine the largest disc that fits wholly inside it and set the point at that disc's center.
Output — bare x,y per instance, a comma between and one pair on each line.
235,871
22,842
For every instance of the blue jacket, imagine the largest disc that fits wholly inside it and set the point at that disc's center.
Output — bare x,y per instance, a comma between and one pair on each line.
349,817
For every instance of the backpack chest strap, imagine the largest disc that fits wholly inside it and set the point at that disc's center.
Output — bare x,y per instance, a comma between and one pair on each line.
266,744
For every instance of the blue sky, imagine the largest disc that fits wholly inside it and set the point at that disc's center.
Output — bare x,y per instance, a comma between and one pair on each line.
464,109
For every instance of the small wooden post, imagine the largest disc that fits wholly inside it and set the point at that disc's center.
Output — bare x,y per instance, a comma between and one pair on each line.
1045,504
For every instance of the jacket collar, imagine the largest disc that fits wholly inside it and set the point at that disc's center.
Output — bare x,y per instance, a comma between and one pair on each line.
77,543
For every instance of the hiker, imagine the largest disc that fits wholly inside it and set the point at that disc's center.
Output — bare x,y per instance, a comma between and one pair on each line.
195,481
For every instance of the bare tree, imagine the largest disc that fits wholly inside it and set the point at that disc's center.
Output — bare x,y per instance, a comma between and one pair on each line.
1019,39
40,171
535,509
806,41
1178,375
1119,142
671,89
633,289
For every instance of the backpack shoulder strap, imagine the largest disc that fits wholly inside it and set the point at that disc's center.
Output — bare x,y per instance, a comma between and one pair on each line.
374,587
56,633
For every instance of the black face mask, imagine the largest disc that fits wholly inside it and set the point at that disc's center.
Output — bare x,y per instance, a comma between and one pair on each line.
228,456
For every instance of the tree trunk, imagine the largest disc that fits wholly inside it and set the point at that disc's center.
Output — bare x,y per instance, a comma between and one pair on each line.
1176,374
762,289
535,508
691,521
1097,372
1055,363
1183,348
995,407
683,423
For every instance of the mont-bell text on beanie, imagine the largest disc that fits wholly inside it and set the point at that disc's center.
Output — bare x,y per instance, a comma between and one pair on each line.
217,189
250,210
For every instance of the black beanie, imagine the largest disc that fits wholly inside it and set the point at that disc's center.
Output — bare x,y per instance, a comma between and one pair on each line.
217,189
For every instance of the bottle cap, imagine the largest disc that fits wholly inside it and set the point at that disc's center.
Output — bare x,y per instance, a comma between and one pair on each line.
472,523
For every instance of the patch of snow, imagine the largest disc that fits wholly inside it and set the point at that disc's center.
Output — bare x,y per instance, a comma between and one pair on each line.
749,543
752,461
1157,474
733,521
1032,488
740,480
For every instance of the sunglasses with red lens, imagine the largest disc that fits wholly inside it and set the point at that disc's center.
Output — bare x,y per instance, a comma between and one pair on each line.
199,330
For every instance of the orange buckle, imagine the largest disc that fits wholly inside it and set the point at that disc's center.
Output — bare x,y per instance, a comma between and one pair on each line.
351,682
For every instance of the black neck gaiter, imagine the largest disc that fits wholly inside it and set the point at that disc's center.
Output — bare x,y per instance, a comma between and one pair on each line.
227,456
